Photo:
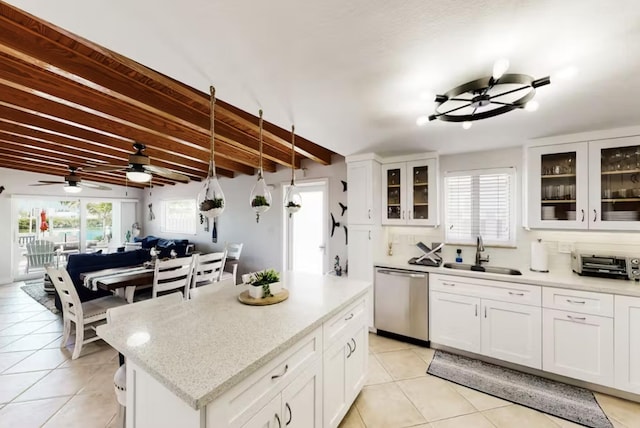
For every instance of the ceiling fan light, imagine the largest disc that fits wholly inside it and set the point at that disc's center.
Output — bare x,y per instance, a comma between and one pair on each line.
138,176
500,67
532,105
467,125
72,188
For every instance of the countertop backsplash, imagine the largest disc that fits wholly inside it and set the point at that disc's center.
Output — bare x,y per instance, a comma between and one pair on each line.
403,241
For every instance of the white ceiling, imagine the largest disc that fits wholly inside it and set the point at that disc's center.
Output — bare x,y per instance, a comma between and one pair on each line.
352,74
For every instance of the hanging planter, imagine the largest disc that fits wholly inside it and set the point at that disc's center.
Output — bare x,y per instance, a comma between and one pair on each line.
260,198
211,201
292,200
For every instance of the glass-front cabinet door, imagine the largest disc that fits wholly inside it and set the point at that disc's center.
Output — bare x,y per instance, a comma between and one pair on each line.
421,192
558,186
614,192
394,194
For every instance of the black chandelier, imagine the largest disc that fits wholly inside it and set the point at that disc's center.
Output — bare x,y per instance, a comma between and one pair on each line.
488,96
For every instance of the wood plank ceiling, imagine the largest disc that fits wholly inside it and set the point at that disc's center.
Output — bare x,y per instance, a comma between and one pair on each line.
65,101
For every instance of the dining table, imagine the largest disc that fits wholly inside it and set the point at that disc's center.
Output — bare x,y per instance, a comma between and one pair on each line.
122,281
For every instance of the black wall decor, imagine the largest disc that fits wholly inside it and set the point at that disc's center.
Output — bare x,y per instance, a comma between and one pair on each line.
344,208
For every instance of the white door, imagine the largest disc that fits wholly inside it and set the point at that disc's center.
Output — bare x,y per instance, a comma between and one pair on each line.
302,400
578,345
627,340
357,359
512,332
307,239
359,177
455,320
334,384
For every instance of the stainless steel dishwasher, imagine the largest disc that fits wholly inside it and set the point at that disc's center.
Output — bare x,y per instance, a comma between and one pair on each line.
401,304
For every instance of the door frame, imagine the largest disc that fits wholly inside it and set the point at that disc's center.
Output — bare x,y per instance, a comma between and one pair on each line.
287,260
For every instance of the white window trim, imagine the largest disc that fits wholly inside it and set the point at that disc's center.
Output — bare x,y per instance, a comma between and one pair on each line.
511,171
163,219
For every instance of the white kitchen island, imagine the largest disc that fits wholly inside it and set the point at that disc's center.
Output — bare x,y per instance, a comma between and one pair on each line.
214,362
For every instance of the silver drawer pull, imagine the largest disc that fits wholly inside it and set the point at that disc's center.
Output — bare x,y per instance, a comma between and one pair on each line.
576,318
580,302
516,294
450,284
286,367
349,317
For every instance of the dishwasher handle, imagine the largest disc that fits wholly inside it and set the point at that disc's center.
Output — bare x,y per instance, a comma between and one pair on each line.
399,273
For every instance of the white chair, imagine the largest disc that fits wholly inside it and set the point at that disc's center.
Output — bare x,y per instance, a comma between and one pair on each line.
196,293
40,253
122,312
132,246
233,258
84,315
172,274
207,268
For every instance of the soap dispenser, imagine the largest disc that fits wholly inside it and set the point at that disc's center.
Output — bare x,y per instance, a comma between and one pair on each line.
459,255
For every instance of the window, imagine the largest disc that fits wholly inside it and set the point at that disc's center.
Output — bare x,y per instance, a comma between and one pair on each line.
480,202
179,216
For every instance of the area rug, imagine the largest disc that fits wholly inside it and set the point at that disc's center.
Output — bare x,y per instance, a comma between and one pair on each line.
35,289
555,398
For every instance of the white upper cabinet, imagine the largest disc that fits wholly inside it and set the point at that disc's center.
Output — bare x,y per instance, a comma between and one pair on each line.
586,185
363,192
410,193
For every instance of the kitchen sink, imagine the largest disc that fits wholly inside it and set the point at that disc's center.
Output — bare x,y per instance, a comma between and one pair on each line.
487,269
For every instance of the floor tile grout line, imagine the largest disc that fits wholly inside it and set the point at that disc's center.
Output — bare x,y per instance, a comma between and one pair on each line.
57,411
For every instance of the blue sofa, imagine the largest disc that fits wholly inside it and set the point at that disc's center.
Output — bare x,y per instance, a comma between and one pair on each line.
81,263
164,246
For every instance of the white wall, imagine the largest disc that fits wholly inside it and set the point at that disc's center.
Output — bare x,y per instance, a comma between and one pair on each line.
263,242
404,238
17,183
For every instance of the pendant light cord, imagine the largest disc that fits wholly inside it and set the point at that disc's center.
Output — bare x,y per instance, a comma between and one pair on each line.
260,125
293,153
212,171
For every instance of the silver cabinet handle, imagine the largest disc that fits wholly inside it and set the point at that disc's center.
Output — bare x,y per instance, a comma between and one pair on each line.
403,214
405,274
580,302
485,311
369,235
572,318
582,211
350,350
286,367
355,346
516,294
349,317
290,414
476,305
449,284
369,213
278,419
595,215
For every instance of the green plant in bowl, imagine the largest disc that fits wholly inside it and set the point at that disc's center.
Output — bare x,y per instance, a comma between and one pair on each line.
264,279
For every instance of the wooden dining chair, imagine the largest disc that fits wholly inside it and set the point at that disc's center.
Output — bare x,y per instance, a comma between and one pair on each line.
123,312
84,315
207,268
212,288
172,274
230,268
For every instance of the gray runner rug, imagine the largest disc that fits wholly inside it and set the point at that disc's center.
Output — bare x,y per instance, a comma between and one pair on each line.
555,398
35,289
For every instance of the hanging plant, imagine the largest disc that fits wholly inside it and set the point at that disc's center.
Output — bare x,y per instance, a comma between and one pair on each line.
293,200
260,199
211,201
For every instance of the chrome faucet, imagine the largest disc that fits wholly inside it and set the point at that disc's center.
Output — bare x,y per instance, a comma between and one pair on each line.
479,250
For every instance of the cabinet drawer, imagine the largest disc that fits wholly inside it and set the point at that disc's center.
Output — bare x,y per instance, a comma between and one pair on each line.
344,321
584,302
254,392
487,289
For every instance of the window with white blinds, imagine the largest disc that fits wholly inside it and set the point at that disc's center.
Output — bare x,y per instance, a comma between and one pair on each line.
480,202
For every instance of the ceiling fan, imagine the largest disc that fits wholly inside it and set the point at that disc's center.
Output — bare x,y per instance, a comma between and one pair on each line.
72,183
140,170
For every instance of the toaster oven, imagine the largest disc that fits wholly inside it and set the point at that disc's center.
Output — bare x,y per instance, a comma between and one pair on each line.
606,266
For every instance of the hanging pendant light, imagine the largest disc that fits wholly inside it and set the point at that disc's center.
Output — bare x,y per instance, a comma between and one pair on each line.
293,200
260,196
211,202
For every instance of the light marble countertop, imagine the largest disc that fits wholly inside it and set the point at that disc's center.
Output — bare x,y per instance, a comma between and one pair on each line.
201,348
556,277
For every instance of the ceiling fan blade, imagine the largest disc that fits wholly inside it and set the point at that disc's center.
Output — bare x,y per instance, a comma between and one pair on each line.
93,186
166,173
47,184
502,104
508,92
105,168
44,182
452,110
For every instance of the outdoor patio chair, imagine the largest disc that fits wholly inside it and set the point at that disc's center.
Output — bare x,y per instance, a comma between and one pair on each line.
40,253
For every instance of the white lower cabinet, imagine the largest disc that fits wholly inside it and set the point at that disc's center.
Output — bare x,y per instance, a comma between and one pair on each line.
627,343
302,400
498,319
512,332
268,416
454,321
345,370
578,346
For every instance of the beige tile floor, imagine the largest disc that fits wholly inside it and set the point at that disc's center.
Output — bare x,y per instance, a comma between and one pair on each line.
41,386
